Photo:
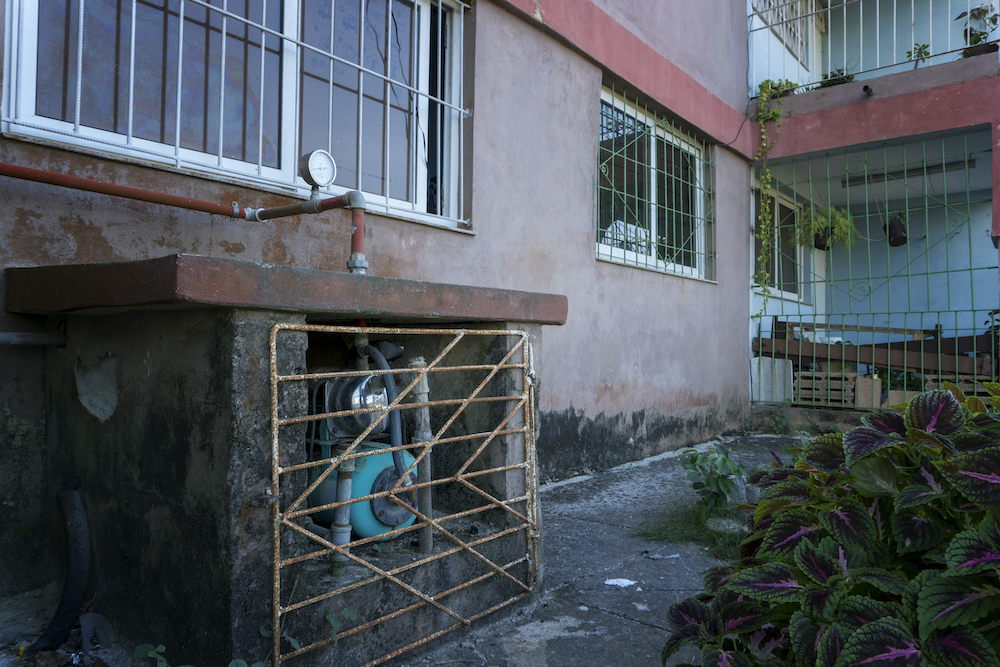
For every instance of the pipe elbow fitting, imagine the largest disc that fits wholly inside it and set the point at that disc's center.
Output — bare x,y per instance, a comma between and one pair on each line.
354,199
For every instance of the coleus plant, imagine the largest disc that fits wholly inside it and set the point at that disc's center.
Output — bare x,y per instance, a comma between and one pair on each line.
878,547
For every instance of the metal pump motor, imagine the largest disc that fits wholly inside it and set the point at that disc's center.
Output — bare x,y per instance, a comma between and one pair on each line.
374,473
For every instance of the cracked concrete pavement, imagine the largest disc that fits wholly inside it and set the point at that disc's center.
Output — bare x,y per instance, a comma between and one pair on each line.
606,590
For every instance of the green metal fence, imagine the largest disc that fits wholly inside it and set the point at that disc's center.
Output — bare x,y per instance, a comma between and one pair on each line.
882,274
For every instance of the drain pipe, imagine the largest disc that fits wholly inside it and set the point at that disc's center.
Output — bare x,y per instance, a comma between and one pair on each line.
422,433
340,531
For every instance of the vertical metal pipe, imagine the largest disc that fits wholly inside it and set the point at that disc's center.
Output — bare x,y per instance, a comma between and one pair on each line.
179,92
423,434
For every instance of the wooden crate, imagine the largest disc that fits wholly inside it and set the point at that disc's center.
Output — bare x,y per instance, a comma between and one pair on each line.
825,388
964,382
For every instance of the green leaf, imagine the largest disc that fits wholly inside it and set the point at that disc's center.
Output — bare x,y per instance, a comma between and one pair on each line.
742,616
826,452
971,553
822,603
935,412
816,565
974,475
859,610
950,601
293,641
804,634
915,531
831,645
883,580
883,643
960,647
143,651
771,582
967,442
788,530
259,663
714,577
712,656
861,442
688,612
914,495
793,490
266,628
691,635
874,477
850,525
334,620
886,422
237,663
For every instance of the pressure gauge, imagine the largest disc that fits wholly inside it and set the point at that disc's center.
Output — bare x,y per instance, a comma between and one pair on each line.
318,168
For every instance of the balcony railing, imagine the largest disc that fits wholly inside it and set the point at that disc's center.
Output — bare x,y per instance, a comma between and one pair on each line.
825,42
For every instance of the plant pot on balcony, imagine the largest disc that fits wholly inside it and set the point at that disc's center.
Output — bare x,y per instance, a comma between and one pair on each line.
979,49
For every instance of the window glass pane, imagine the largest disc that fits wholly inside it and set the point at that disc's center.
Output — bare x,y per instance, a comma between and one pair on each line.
678,226
623,192
786,250
243,89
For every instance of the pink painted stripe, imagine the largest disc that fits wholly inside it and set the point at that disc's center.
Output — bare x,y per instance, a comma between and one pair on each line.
608,42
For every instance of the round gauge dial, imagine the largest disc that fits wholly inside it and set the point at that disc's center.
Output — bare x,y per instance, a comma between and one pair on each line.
318,168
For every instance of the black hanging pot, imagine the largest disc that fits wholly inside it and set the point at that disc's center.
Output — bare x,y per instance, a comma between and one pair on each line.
895,231
821,241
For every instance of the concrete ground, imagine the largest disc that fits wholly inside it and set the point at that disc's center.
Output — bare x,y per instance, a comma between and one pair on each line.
606,590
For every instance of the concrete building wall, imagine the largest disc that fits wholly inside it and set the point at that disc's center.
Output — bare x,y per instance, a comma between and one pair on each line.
646,361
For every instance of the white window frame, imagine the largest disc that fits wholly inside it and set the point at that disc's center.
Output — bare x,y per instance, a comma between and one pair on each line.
648,258
800,251
19,119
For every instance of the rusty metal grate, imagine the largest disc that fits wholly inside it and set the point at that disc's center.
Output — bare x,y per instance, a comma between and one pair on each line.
480,541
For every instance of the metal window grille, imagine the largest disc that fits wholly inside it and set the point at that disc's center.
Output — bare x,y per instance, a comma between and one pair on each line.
243,87
861,39
654,199
786,19
912,304
478,425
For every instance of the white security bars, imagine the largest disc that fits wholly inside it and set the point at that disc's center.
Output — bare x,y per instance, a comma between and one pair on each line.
812,43
242,88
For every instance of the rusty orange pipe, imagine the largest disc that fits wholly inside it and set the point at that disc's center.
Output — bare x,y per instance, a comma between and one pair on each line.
353,200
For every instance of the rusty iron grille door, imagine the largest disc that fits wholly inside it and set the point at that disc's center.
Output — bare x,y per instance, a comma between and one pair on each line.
470,551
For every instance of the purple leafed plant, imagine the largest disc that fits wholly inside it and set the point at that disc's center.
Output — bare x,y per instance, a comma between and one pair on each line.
880,548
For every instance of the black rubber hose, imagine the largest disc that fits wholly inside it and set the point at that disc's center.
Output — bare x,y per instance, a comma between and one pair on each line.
77,570
395,429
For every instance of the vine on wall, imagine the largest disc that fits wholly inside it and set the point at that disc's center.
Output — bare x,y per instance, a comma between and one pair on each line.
767,114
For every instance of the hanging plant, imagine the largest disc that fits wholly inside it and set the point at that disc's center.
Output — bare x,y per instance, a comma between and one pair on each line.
820,226
767,113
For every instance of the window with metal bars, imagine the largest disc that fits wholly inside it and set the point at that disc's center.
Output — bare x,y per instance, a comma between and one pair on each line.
787,20
653,198
243,87
789,264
